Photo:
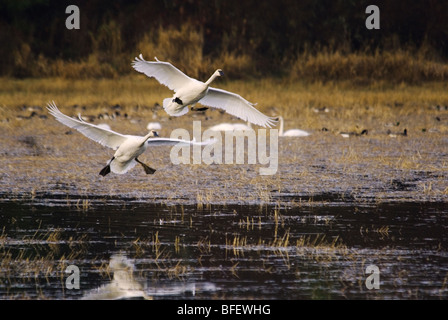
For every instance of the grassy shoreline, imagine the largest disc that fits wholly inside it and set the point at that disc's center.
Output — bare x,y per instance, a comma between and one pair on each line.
42,157
418,107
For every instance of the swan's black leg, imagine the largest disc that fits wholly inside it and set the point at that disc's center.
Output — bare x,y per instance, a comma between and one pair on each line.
178,101
199,109
148,170
106,169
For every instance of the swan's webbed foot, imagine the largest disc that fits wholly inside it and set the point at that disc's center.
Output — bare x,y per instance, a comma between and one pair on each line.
105,170
148,170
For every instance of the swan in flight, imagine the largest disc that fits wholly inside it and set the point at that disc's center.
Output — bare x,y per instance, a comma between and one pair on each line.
291,132
189,91
128,147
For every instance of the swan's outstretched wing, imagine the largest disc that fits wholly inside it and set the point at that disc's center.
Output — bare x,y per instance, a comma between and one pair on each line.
164,72
171,142
104,137
236,105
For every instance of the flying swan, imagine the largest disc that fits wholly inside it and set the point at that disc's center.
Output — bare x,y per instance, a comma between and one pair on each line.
128,147
189,91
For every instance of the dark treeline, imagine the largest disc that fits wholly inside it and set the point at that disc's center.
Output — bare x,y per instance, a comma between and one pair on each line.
265,31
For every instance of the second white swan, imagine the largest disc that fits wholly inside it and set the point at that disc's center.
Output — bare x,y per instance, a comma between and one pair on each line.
291,132
189,91
128,147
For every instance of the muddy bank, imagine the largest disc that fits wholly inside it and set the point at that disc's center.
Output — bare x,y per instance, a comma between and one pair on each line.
43,161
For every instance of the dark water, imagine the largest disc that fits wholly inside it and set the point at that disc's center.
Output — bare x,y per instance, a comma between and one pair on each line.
223,252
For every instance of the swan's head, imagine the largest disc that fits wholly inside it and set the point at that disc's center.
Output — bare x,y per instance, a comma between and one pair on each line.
153,133
219,73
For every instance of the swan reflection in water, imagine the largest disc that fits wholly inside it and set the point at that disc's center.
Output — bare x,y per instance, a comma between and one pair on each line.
125,285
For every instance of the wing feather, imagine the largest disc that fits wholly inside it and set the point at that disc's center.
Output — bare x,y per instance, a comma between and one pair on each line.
172,142
103,136
236,105
164,72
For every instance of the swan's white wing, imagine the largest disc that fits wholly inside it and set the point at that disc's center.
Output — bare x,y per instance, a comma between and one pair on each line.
164,72
103,136
172,142
236,105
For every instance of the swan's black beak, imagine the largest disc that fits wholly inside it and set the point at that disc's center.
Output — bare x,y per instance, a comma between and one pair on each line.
155,133
221,73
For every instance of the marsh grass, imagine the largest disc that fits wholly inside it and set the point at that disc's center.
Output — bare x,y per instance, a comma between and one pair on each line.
110,55
37,260
366,68
350,108
38,156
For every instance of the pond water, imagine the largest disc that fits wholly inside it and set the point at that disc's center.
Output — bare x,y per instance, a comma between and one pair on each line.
144,250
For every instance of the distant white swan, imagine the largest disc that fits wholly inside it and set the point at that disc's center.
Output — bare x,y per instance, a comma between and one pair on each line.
189,91
291,132
231,127
353,133
128,147
154,126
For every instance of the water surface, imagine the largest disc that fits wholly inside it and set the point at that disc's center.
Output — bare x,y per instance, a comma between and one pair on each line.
217,252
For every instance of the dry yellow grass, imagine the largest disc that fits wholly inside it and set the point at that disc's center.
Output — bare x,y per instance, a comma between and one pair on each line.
37,158
396,66
414,106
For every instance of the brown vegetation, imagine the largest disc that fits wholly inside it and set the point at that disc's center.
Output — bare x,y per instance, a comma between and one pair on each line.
308,40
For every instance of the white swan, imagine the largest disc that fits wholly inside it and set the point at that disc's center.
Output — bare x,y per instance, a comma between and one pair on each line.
291,132
189,91
231,127
128,147
353,134
154,126
123,285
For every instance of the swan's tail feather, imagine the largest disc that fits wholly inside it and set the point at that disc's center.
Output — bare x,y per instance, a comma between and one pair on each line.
122,167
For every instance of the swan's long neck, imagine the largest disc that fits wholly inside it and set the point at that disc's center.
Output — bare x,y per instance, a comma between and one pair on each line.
145,138
212,78
280,133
